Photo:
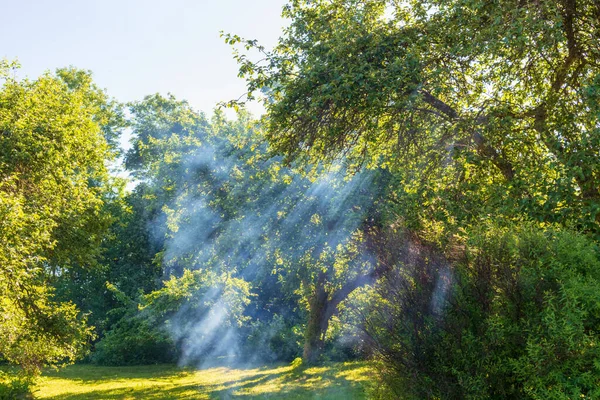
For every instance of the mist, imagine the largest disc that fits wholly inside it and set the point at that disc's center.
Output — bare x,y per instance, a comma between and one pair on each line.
258,233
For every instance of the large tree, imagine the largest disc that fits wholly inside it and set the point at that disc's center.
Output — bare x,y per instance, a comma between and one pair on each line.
225,204
55,143
481,111
496,94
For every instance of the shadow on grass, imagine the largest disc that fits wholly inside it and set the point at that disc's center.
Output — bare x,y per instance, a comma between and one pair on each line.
93,374
332,381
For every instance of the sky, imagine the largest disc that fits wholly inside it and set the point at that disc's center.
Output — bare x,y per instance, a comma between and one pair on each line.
135,48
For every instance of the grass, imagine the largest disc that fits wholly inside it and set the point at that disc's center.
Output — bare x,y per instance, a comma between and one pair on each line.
332,381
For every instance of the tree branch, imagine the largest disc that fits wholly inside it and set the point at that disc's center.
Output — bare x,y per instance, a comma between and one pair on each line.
483,146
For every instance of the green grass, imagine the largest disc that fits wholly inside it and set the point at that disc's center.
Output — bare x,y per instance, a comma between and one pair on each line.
332,381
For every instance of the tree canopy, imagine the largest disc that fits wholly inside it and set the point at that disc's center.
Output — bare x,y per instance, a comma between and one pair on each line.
496,94
54,184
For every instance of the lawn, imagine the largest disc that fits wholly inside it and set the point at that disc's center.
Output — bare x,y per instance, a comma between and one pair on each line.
332,381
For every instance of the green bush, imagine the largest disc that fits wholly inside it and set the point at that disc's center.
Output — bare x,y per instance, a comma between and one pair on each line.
15,384
135,341
516,317
278,339
145,333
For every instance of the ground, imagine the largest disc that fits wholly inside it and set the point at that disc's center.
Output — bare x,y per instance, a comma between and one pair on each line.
341,381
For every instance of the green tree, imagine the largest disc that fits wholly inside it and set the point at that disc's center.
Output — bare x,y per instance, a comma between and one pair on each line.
481,111
488,103
226,205
54,184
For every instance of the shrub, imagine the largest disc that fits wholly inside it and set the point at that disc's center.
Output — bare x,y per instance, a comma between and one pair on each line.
15,384
135,341
176,321
279,339
516,317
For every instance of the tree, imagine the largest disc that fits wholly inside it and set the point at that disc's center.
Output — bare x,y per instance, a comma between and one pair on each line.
482,111
228,206
54,184
456,94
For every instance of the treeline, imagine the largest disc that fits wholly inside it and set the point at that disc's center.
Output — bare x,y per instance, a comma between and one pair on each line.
423,192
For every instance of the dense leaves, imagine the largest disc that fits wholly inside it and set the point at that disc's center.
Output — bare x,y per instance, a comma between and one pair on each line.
455,95
515,317
54,185
223,205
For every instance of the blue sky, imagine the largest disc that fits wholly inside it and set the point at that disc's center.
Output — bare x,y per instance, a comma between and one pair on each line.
135,47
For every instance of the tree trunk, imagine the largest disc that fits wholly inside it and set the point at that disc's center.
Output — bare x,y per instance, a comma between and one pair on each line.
318,322
324,305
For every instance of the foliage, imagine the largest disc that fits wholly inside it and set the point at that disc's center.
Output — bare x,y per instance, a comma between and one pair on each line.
15,385
277,339
517,319
54,184
480,107
229,207
481,111
134,341
131,247
426,170
153,329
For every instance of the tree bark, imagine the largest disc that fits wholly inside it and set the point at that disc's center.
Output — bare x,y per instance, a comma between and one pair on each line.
323,305
318,322
483,146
